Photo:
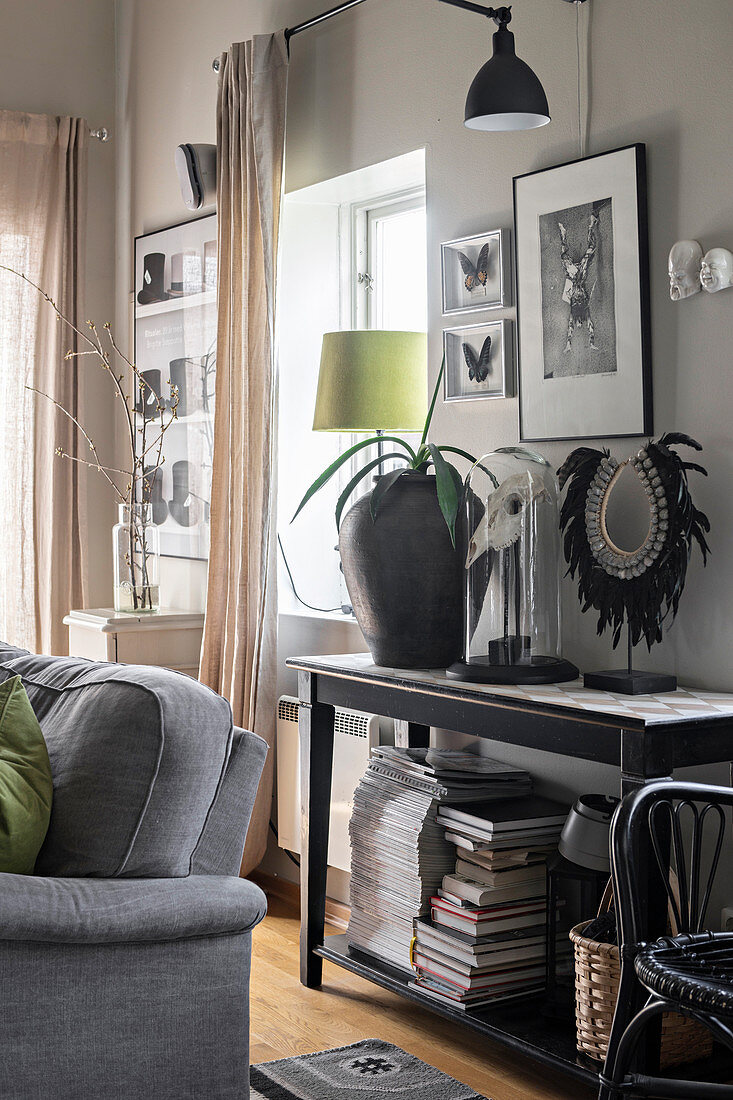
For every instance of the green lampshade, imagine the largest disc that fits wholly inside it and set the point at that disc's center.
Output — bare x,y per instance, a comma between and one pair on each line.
372,379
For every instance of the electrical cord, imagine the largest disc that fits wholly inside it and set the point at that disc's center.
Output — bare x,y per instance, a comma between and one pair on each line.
577,51
295,590
291,857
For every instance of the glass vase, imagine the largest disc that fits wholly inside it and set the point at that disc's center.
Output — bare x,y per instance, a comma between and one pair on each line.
136,541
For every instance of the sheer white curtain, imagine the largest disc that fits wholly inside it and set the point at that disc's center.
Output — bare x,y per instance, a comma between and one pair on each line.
239,653
42,218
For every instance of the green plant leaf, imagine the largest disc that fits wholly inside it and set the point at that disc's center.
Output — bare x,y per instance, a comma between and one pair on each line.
465,454
458,481
380,490
422,458
362,473
447,491
432,403
332,469
457,451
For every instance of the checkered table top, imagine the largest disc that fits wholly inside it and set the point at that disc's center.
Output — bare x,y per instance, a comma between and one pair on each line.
669,707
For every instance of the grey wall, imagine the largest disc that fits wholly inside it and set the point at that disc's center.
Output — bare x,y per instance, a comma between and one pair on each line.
391,76
58,59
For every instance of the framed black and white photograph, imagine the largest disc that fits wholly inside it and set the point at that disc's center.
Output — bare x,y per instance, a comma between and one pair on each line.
476,272
582,257
478,361
175,348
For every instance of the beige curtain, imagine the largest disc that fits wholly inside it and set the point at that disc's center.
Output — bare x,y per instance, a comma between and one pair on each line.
43,167
239,651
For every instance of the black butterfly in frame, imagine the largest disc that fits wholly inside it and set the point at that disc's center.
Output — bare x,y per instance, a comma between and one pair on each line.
475,274
478,365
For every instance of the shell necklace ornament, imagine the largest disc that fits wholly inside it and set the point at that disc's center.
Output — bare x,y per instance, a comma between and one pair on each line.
622,563
640,587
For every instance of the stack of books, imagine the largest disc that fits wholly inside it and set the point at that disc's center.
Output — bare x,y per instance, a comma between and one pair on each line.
454,775
399,851
486,939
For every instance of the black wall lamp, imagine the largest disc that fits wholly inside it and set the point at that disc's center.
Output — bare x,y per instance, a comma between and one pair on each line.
505,94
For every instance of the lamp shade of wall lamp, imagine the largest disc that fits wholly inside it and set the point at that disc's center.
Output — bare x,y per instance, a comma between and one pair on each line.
505,93
372,379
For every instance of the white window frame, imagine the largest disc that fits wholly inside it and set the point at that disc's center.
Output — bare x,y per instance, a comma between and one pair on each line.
359,252
359,227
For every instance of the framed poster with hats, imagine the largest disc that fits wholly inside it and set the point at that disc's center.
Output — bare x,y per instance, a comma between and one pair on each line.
175,348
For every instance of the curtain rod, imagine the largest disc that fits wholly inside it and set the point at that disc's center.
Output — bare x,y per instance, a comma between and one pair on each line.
290,31
306,25
102,134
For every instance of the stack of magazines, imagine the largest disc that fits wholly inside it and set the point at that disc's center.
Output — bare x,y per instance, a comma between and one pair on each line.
486,939
399,851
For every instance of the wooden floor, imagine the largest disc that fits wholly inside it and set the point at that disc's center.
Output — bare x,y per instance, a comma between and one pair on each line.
289,1019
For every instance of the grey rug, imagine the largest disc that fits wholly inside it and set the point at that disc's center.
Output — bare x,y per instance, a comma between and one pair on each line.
363,1071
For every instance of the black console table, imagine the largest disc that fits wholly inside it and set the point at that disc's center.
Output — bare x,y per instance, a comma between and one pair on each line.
646,736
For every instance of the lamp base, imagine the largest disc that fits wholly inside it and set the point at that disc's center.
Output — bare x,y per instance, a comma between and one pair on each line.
623,682
535,670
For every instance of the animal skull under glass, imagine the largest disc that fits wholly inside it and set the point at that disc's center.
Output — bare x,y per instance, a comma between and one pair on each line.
512,572
501,524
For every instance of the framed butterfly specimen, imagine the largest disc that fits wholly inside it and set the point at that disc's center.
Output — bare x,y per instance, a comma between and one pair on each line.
478,361
478,365
476,272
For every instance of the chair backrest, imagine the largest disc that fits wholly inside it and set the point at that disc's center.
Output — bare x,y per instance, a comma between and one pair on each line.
138,756
682,828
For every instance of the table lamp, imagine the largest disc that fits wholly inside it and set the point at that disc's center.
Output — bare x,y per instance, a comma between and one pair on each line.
372,380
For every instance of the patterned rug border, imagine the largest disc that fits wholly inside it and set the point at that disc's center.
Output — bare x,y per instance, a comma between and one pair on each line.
287,1086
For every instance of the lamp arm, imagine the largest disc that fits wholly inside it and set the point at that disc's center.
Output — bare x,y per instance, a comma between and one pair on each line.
501,16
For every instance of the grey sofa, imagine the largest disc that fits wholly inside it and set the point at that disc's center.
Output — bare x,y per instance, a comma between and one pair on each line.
124,960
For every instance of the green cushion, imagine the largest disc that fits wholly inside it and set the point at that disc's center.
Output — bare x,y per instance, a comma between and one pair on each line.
26,785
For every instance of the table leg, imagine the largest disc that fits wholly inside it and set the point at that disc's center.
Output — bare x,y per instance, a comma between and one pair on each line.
315,728
411,735
646,756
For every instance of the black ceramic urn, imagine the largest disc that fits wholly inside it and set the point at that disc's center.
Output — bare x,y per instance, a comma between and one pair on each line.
404,576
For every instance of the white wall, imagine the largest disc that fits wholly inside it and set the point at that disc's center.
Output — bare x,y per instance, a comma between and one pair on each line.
391,76
308,306
58,59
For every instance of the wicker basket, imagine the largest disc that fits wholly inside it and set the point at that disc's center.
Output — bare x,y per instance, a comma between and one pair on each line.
597,975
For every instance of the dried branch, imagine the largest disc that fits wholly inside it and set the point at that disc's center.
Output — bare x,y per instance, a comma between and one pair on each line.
97,463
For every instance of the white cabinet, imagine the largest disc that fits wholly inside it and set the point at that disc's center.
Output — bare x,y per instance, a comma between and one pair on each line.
168,638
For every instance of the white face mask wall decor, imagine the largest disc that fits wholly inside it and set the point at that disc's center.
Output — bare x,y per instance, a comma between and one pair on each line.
685,261
716,272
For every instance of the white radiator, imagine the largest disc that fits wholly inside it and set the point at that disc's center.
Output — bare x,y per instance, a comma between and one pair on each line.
354,736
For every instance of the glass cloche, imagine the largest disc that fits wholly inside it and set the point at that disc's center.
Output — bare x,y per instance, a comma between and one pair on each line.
512,573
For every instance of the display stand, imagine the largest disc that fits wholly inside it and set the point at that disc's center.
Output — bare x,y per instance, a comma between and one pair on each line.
629,681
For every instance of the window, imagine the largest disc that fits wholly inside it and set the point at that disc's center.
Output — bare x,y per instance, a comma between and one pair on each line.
389,263
354,255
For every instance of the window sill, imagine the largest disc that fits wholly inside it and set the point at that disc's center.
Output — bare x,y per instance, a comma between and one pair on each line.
304,613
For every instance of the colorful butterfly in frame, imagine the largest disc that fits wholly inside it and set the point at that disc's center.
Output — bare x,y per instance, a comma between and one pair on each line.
475,274
478,365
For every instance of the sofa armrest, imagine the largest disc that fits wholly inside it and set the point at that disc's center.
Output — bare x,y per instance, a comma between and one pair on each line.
219,850
87,910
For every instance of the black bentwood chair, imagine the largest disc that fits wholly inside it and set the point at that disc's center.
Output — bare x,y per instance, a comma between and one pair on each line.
690,972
